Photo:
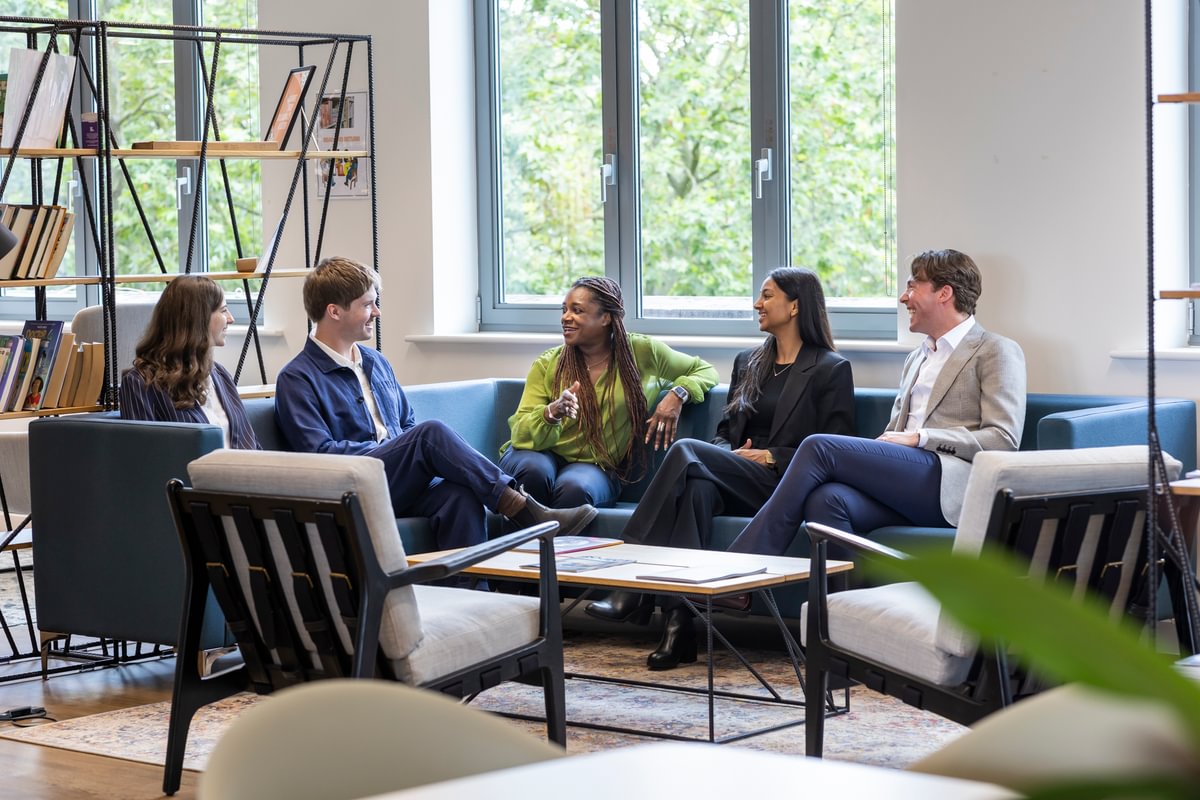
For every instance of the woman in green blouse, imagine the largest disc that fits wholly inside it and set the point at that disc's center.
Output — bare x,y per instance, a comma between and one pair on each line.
583,425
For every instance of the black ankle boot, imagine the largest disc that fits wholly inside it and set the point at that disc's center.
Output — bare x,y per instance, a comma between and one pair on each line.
621,606
678,643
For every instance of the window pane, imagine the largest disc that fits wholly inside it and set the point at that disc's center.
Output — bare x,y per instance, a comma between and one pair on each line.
550,147
694,150
236,101
18,189
142,108
841,76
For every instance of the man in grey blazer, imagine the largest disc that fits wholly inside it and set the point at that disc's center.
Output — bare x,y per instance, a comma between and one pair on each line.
961,392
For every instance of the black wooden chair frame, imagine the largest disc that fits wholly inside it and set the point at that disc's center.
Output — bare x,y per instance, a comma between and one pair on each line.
361,586
992,682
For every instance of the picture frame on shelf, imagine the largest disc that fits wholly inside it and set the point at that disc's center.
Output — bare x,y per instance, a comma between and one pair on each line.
290,100
351,178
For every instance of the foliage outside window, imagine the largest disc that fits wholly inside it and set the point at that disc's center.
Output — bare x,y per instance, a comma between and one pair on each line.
685,96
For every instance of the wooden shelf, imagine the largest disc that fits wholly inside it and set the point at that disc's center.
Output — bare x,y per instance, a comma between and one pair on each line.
50,412
50,152
1178,294
256,390
153,277
182,152
158,277
1184,97
263,155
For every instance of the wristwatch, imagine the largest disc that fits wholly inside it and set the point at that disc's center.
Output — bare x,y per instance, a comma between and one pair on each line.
681,393
770,460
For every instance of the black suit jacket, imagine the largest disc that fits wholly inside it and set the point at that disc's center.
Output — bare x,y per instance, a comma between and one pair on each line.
818,397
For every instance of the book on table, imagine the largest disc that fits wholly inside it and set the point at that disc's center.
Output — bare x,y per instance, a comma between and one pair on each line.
571,544
701,574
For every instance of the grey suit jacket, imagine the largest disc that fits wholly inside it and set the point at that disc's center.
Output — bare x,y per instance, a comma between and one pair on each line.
977,403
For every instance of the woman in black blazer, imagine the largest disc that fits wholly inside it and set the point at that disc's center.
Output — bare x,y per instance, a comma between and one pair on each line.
791,385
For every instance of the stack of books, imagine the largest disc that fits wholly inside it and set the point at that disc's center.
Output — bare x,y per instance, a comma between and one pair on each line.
43,233
45,368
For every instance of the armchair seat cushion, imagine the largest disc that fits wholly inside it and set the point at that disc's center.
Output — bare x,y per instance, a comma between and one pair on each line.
895,624
462,628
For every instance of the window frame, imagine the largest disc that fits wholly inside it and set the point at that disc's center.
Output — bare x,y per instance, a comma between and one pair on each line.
189,123
770,217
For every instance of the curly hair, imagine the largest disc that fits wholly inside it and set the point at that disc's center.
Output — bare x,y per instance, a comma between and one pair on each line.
812,323
175,352
631,465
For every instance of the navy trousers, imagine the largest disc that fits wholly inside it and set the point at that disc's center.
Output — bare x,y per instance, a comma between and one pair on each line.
433,472
848,483
695,482
558,483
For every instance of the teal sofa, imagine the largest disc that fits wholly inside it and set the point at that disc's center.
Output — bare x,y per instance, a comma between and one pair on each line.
109,563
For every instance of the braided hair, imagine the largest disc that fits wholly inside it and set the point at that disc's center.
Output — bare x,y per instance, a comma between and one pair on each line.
630,465
812,324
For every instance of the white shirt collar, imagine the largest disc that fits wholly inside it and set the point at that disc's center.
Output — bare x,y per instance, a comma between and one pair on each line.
337,357
951,338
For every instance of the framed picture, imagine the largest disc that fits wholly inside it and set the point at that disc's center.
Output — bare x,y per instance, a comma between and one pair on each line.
292,96
351,176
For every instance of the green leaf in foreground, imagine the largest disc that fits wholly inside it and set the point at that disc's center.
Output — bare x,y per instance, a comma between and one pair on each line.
1061,637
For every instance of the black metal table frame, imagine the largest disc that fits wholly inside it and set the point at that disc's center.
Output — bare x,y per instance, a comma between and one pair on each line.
704,613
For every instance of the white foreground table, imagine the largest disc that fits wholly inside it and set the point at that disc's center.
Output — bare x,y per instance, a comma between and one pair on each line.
673,769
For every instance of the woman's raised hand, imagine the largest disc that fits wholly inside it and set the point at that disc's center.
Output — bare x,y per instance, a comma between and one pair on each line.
567,404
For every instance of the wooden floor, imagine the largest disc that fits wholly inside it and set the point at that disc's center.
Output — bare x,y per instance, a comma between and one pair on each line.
31,771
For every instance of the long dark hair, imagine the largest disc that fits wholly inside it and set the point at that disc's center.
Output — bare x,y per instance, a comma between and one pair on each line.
630,465
175,353
812,323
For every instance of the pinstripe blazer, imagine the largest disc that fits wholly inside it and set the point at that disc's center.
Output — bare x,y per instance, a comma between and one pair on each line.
977,403
139,401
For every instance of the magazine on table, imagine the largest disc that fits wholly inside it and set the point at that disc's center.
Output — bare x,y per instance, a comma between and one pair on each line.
571,544
583,563
700,574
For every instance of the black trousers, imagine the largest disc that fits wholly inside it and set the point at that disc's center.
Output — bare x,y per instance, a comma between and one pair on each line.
697,481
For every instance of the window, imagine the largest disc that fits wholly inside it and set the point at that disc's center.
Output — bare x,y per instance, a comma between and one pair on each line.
156,93
685,148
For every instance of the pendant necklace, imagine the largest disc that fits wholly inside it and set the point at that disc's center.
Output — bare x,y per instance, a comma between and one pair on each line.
775,373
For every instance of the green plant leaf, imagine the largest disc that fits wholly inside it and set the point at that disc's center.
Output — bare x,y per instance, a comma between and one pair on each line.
1064,638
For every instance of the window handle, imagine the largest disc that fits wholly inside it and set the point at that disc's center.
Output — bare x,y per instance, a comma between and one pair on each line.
183,186
608,175
762,172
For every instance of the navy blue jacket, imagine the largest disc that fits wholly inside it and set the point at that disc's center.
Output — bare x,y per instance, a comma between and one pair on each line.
320,408
139,401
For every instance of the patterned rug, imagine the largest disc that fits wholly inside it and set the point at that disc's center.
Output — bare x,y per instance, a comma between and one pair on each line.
877,730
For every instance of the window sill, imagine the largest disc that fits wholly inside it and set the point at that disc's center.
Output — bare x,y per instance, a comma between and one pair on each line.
1162,354
733,343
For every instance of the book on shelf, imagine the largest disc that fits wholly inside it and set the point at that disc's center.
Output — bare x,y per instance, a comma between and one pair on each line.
58,372
571,544
54,257
49,107
91,379
42,233
709,574
24,375
583,563
17,220
76,362
49,333
11,348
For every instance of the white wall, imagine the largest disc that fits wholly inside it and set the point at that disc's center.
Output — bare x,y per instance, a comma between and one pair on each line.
1020,129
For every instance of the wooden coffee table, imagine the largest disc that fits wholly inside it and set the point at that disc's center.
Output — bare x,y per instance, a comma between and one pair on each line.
646,559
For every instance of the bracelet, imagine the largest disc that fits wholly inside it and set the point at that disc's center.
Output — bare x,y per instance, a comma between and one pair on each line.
550,418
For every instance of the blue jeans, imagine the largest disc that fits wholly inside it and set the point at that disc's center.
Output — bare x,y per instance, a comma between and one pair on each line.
555,482
853,484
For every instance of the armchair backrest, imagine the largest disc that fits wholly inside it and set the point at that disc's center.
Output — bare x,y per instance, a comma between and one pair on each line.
324,477
1033,473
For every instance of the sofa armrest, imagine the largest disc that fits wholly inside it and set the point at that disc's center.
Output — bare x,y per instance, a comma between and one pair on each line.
1123,424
